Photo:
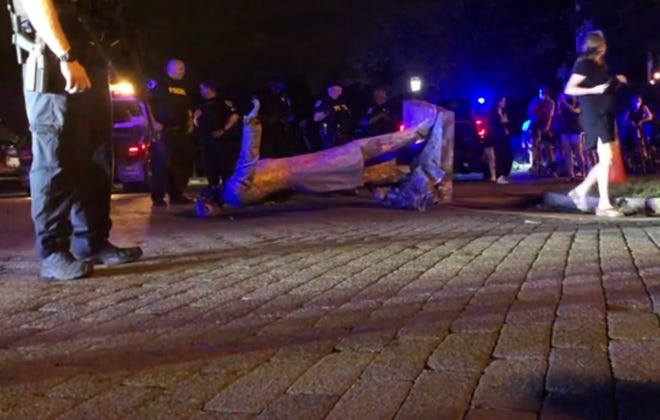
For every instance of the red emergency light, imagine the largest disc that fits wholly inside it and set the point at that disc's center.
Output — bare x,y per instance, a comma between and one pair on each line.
481,128
135,150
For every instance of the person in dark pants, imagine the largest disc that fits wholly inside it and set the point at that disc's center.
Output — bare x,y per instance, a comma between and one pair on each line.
171,151
217,121
568,113
333,116
541,112
276,117
70,120
498,132
636,120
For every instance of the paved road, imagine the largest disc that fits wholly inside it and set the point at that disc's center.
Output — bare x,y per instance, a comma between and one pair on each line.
335,308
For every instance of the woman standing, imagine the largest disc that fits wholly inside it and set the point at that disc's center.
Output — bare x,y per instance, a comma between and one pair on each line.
502,156
590,81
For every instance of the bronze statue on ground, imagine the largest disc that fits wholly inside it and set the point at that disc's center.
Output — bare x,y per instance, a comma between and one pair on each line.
367,162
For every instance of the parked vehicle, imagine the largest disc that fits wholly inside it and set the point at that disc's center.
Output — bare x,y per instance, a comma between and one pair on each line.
132,133
11,146
470,130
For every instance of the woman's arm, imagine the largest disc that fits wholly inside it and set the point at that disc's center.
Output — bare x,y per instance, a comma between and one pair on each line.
648,115
503,116
573,87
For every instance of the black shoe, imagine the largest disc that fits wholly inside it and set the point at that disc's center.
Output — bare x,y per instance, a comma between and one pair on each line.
110,254
63,266
181,200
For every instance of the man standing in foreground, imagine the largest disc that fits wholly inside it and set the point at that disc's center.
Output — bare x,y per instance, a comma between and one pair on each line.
68,106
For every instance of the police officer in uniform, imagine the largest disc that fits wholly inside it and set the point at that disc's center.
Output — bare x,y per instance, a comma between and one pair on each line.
380,116
65,82
170,154
217,121
276,116
333,116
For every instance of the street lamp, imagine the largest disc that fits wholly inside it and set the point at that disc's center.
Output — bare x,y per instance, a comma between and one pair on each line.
415,84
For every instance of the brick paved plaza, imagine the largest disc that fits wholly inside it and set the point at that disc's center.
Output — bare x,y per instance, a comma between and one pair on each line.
335,308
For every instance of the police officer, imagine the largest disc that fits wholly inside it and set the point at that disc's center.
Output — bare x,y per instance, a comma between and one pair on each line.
276,116
380,116
170,154
333,116
217,121
68,107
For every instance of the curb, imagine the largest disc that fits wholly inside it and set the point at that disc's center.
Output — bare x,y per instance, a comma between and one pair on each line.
649,206
637,205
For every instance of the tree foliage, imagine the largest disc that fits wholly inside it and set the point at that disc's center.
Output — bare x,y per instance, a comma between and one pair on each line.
458,46
463,46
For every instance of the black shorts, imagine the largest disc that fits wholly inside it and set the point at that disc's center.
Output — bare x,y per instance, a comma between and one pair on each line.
603,127
540,132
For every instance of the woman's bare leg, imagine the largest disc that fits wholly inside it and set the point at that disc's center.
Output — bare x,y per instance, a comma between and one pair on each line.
490,158
605,155
581,159
599,174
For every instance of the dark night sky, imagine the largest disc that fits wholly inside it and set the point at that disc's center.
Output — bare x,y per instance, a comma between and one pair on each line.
457,45
250,39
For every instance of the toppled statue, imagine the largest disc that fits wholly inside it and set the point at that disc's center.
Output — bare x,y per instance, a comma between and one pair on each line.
367,162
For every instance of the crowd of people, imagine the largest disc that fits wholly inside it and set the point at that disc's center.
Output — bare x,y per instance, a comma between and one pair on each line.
558,142
555,137
211,126
71,119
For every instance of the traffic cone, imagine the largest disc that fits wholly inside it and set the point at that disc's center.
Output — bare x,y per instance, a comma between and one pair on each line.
617,170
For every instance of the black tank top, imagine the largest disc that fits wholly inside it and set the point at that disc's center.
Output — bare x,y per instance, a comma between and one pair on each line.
636,115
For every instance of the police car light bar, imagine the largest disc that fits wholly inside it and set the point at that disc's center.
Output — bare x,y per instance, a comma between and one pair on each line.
122,89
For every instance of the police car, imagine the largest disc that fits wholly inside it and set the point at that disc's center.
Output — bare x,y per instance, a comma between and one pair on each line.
11,145
132,133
